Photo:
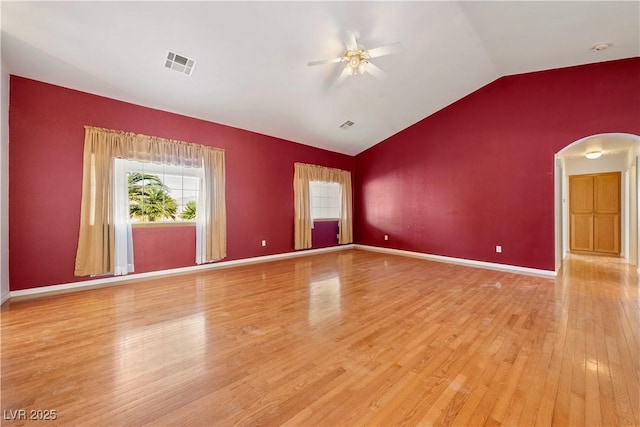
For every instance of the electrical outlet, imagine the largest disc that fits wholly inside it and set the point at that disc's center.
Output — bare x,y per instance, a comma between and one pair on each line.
386,237
499,249
264,243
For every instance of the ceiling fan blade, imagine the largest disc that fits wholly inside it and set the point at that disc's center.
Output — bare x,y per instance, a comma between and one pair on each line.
384,50
343,75
375,71
351,41
325,61
336,78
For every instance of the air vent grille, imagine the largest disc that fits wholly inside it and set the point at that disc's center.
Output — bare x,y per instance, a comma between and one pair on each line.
180,63
347,124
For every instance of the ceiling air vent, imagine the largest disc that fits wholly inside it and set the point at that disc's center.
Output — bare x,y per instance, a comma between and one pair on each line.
346,125
180,63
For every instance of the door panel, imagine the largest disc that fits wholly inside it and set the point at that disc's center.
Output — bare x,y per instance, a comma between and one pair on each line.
581,213
607,193
582,232
581,194
606,233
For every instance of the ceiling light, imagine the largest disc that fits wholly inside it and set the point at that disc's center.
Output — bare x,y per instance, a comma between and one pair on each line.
600,47
357,60
593,154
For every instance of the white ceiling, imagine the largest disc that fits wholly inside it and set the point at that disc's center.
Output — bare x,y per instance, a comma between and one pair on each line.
251,70
608,144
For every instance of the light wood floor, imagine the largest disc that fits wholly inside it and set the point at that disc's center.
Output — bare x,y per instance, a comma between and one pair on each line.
343,338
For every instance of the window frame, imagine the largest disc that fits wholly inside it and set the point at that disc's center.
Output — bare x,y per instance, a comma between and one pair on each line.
196,172
312,196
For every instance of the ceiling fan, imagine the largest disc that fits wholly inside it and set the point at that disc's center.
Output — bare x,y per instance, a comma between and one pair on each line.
357,59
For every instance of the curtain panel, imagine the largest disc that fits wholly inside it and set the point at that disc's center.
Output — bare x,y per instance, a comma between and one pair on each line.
302,177
96,252
211,225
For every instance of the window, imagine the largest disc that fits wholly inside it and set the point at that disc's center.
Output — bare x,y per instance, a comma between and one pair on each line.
325,200
162,193
329,203
105,196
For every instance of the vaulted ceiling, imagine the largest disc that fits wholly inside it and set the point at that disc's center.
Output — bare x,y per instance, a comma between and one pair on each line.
251,57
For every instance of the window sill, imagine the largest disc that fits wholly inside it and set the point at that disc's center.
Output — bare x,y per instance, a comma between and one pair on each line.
163,224
325,219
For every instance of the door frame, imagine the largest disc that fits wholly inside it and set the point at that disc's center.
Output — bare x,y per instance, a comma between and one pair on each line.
561,229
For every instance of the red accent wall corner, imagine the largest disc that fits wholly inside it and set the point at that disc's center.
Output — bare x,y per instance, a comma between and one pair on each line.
480,172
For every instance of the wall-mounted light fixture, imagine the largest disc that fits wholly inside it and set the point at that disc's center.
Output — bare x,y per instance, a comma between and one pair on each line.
593,154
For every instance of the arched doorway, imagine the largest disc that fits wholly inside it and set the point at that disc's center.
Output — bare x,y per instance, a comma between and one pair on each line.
619,152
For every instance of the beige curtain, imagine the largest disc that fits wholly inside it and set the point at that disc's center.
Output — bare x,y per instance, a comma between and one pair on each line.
211,219
303,175
302,206
346,214
96,248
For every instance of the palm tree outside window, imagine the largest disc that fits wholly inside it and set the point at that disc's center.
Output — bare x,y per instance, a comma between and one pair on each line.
161,193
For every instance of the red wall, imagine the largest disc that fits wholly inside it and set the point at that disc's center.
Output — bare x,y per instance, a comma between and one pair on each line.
324,234
479,173
178,247
45,179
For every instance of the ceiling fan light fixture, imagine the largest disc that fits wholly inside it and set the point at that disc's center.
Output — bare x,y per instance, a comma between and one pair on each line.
356,59
593,154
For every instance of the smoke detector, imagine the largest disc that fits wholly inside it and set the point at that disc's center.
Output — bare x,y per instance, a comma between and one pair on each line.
600,47
180,63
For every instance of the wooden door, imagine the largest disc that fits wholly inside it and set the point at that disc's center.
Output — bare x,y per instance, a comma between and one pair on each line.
606,221
594,209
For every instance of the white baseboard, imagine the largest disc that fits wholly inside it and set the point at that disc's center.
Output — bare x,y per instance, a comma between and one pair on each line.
116,280
461,261
5,297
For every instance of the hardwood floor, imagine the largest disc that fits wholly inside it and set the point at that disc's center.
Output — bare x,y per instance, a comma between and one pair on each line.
343,338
